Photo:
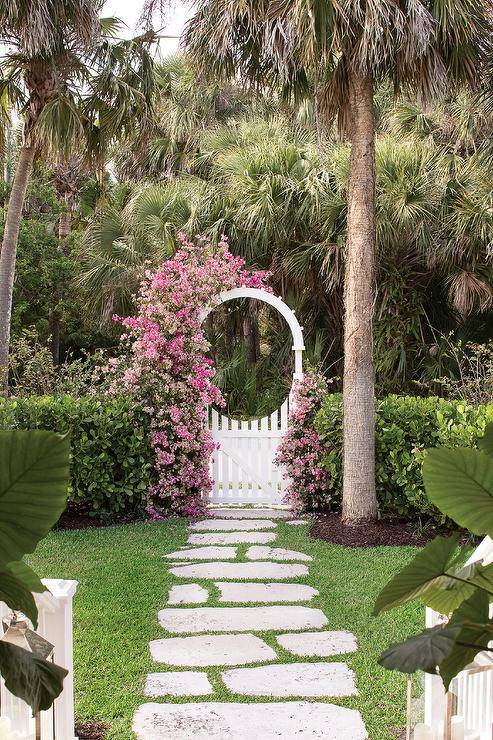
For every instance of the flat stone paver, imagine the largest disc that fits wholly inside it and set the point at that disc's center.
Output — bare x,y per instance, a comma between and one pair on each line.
178,683
211,650
231,538
259,552
318,644
188,593
231,525
244,513
259,571
204,553
241,618
257,596
297,522
241,721
242,593
292,679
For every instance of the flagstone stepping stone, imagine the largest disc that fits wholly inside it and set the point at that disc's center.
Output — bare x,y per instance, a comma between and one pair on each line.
257,552
188,593
263,592
297,522
231,538
211,650
318,644
241,618
178,683
260,571
250,513
292,679
242,721
204,553
230,525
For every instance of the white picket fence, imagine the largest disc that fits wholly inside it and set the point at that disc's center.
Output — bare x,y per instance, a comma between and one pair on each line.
471,692
55,625
243,468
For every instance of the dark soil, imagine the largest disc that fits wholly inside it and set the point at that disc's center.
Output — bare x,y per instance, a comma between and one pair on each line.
79,516
384,532
400,734
91,730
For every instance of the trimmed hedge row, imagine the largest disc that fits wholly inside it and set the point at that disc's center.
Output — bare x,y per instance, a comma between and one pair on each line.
111,466
112,469
405,427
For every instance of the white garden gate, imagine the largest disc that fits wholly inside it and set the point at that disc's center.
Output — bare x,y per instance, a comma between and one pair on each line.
243,468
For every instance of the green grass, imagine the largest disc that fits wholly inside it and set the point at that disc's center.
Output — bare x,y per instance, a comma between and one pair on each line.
123,582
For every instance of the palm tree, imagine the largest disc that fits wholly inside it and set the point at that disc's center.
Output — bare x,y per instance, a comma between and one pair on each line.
126,237
69,80
335,53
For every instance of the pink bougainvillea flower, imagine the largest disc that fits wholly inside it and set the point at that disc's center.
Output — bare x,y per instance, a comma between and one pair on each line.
165,370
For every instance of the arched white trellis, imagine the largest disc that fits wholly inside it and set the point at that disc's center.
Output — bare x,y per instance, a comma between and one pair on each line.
243,468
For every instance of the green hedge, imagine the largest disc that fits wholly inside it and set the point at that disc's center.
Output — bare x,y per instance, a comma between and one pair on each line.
111,465
406,426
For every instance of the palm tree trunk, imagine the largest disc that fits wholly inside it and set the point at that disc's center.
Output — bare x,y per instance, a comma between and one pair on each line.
8,255
64,229
359,497
251,332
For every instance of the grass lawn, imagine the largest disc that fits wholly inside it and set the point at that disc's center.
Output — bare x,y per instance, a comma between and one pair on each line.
123,582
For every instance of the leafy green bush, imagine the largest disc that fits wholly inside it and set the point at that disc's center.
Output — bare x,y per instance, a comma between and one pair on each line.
406,427
111,465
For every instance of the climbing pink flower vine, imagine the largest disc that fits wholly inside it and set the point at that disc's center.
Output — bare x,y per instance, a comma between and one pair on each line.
301,450
165,367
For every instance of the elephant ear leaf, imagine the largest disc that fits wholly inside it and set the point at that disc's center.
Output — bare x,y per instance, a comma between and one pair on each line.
34,475
426,572
35,680
423,652
17,582
485,444
459,482
475,630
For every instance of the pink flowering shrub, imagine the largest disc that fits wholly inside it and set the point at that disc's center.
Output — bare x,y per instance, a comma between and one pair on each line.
165,368
301,450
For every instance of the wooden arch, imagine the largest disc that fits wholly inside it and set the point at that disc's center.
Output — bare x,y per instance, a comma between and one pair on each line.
277,303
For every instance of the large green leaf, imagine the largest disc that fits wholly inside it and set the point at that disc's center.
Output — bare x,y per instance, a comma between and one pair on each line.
34,474
19,598
451,592
423,652
38,682
17,582
485,444
29,578
460,483
424,573
472,618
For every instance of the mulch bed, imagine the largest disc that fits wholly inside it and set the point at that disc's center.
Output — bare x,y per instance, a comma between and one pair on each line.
91,730
78,516
385,532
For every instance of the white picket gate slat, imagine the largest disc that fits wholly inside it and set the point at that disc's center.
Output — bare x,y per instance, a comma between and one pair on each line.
243,468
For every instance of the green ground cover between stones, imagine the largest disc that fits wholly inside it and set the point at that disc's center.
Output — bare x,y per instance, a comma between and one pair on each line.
124,581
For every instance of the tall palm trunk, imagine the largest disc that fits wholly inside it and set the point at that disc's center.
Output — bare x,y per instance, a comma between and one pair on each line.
8,256
359,498
64,228
251,333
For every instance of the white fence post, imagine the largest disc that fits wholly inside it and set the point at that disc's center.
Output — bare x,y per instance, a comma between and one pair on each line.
55,625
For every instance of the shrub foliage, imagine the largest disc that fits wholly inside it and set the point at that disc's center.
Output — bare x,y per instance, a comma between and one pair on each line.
111,462
406,427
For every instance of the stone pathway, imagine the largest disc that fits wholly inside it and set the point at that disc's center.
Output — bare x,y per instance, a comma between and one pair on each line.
205,636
